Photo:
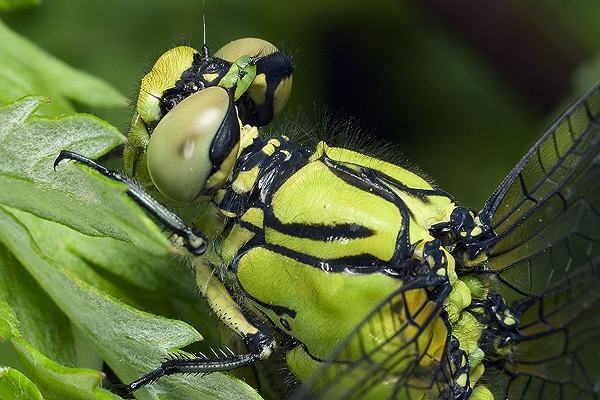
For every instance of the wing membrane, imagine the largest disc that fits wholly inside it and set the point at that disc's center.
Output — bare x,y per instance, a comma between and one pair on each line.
548,180
546,256
398,351
558,354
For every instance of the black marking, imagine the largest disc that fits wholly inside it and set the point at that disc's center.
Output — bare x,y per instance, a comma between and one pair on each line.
284,322
320,232
274,170
226,139
276,67
192,81
368,181
359,264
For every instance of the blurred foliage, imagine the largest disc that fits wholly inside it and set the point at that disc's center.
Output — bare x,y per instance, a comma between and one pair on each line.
26,70
13,4
441,87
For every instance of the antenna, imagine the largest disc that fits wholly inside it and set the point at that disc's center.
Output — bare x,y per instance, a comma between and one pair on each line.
204,46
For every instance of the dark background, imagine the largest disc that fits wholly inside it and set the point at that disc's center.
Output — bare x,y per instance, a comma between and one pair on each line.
463,87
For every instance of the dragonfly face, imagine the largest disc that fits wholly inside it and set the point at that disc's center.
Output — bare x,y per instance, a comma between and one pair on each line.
378,283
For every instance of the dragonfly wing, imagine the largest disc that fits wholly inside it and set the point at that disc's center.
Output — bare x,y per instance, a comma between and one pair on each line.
546,256
556,177
557,358
397,351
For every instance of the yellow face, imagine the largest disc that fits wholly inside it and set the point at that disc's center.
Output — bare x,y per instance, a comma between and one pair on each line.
165,73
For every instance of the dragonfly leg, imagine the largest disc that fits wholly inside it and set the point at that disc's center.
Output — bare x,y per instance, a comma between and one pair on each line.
203,364
194,239
258,338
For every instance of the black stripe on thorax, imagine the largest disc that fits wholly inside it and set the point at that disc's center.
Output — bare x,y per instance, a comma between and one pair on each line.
358,264
319,232
368,180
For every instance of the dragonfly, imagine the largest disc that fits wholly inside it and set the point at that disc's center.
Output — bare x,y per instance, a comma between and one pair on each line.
372,282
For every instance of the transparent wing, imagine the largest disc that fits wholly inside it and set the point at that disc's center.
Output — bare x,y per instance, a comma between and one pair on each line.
546,256
558,356
549,181
398,351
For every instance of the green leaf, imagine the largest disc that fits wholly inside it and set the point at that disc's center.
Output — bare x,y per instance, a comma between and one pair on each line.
16,386
28,146
28,70
56,381
161,285
9,324
130,341
39,321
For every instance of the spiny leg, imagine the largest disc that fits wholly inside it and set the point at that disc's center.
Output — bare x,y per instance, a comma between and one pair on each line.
199,365
194,239
257,337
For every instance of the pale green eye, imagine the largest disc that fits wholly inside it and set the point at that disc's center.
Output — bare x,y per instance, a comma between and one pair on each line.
193,148
245,47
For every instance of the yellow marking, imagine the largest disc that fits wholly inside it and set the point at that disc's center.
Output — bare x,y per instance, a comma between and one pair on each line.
430,261
245,181
164,74
481,392
219,177
425,212
509,321
248,134
218,197
254,216
268,149
210,77
258,89
476,373
462,380
281,94
476,231
345,155
228,214
235,240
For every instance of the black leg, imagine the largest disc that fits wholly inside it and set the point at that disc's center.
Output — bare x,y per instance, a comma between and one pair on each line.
200,365
262,345
194,239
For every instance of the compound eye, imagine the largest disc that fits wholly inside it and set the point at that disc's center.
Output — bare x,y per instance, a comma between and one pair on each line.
193,148
272,85
245,47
